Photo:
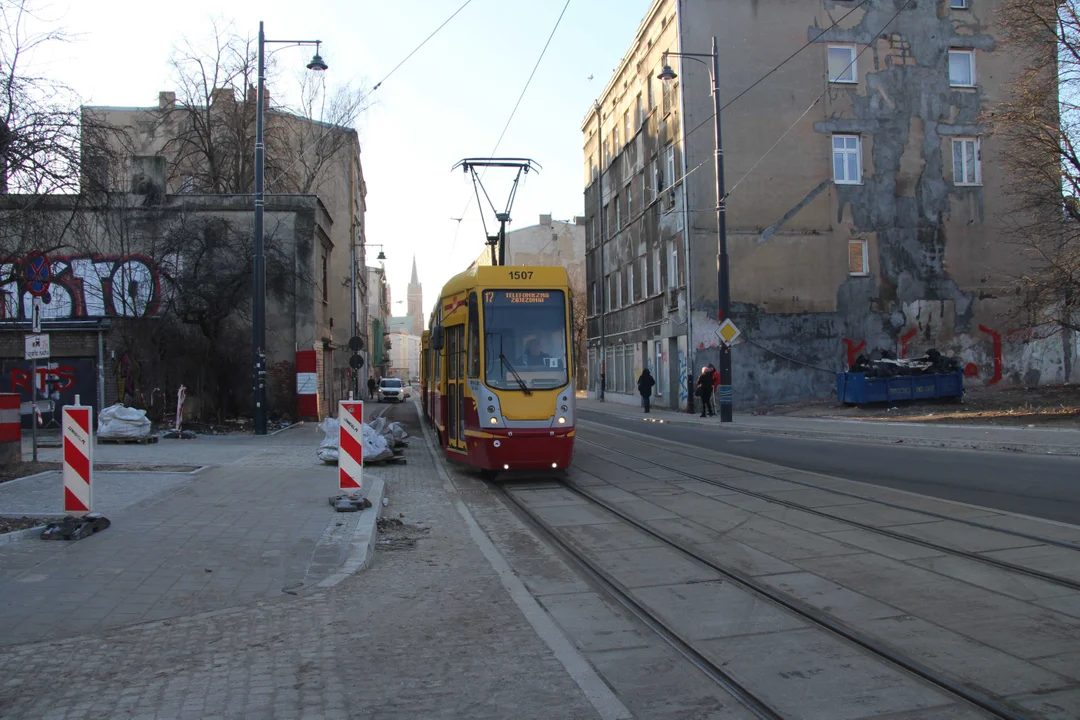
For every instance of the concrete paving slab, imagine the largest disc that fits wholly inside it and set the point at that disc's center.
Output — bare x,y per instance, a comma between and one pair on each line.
1039,528
746,502
593,622
1063,705
580,514
703,488
879,515
1048,558
757,483
44,494
813,498
805,520
1066,664
830,597
646,510
687,532
715,609
613,494
644,567
871,574
733,554
1021,587
810,675
958,656
884,545
612,536
713,514
1031,633
655,685
546,497
787,542
1068,604
965,537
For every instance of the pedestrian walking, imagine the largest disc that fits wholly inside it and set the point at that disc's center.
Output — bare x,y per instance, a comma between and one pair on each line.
644,386
371,387
715,388
705,390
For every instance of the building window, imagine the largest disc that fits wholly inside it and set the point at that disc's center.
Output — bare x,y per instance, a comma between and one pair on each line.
960,4
618,214
615,139
630,284
608,233
967,165
645,186
671,165
618,278
656,272
847,165
962,68
842,64
629,205
858,258
627,133
648,90
325,279
594,298
673,264
639,111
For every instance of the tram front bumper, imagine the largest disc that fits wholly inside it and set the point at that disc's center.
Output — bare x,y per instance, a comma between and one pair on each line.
523,450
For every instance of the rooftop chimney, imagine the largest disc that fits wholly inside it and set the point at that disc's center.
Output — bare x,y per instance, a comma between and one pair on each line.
166,100
545,219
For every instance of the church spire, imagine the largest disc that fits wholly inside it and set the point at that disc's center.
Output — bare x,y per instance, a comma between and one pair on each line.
415,278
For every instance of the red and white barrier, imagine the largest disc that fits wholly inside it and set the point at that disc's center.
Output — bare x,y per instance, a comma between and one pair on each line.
77,431
10,428
350,445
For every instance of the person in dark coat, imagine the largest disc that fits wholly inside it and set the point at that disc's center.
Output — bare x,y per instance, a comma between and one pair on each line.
371,385
644,386
705,390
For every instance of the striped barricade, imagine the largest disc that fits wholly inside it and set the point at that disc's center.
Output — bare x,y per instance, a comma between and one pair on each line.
351,445
77,429
10,428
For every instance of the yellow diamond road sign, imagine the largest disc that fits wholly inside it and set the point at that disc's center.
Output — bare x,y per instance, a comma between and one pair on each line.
728,332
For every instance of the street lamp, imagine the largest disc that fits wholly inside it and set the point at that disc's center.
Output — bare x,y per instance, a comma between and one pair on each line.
723,287
258,330
381,255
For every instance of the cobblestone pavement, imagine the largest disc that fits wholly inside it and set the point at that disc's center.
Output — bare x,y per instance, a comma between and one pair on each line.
427,632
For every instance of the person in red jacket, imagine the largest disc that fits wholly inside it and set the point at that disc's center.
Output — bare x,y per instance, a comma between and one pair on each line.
716,388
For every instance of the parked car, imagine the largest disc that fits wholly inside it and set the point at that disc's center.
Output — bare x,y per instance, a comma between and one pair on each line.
392,390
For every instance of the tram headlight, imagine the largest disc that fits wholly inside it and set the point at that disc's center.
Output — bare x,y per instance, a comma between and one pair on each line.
494,421
562,420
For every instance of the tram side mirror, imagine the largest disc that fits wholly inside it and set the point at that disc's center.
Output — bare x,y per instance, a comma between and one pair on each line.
437,337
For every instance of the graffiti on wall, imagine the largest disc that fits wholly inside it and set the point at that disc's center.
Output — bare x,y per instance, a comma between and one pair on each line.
59,381
86,286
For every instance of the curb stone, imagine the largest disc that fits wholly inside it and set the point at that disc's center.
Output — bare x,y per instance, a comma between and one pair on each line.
363,539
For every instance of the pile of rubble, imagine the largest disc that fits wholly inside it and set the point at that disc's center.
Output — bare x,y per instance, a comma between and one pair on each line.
383,441
883,364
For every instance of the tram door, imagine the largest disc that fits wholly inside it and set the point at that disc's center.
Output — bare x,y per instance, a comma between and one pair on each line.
455,385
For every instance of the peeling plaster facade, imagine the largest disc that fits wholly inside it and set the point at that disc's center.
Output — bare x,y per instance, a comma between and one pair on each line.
899,256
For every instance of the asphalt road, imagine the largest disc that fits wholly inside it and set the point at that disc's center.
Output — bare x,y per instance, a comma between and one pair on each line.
1037,485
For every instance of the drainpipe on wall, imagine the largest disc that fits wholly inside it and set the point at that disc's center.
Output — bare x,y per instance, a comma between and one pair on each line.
603,244
690,375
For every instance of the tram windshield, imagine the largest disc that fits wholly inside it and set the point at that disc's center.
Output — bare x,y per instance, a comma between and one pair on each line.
525,339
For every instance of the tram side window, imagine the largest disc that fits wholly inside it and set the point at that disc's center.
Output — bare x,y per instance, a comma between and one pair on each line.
474,337
451,354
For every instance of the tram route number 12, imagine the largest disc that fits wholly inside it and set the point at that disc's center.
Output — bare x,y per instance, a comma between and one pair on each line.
521,274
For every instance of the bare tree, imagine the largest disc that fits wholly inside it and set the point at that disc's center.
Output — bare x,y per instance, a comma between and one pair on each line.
1040,123
210,128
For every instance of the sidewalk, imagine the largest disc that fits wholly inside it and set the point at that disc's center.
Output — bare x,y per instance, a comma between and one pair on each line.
427,631
968,437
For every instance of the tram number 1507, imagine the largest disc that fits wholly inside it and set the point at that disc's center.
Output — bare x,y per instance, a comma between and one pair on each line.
521,274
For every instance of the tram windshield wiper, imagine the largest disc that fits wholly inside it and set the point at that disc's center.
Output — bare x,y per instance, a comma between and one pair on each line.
517,376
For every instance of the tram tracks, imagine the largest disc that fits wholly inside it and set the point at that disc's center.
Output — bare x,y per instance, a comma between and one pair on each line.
749,697
885,532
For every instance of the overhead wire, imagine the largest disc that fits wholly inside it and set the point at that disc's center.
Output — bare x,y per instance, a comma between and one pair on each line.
327,130
513,112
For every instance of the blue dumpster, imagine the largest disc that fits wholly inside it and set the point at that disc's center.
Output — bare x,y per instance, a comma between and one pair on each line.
857,389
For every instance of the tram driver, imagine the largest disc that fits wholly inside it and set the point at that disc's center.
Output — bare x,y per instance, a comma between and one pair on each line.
534,355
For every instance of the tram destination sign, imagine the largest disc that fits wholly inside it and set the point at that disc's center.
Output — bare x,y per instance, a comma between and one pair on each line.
519,297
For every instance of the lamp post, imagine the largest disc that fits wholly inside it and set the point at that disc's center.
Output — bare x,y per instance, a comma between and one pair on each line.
258,312
723,286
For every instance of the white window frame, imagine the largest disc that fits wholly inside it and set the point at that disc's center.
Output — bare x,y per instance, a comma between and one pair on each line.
970,54
960,4
673,264
618,289
963,143
615,146
671,165
845,152
607,293
645,186
618,213
595,297
626,126
865,271
630,283
852,66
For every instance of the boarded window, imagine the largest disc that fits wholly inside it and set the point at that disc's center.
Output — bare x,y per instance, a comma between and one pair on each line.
858,261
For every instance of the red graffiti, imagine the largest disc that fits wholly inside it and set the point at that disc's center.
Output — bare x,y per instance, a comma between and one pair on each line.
998,363
904,340
971,370
853,349
62,376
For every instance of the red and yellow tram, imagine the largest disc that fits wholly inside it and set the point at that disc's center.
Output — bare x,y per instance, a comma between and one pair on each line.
497,373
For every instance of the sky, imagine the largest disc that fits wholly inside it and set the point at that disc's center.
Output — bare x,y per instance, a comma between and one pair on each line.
450,101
